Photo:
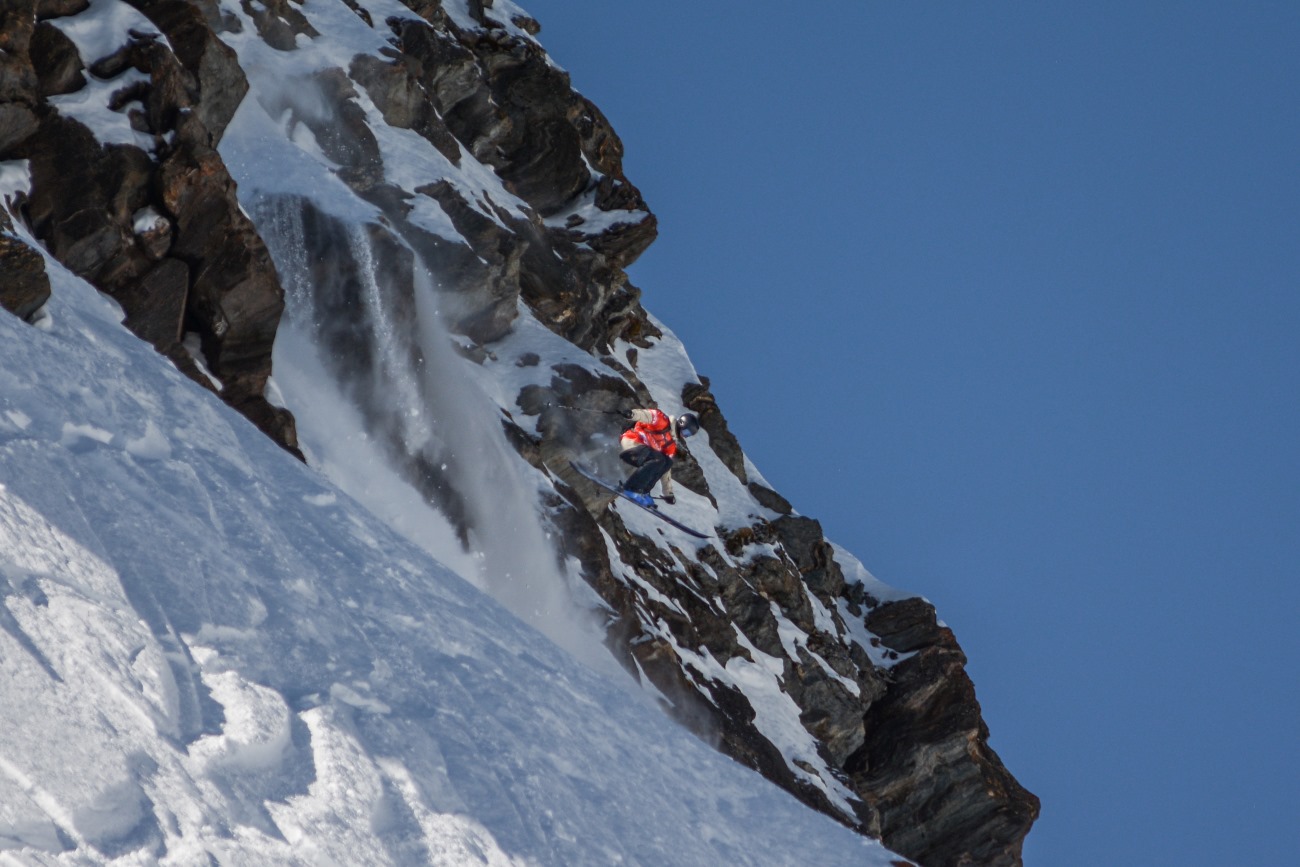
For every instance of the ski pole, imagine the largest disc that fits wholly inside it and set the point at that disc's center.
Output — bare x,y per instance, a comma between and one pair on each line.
582,409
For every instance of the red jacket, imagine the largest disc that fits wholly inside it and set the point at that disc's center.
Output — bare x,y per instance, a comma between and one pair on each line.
656,431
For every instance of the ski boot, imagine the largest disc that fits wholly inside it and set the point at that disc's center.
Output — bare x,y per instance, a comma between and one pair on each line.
637,497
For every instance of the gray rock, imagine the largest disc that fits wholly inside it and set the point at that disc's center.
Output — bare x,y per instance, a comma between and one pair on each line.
24,285
155,303
60,8
927,753
212,65
55,59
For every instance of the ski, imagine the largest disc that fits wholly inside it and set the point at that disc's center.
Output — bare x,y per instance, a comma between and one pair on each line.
614,489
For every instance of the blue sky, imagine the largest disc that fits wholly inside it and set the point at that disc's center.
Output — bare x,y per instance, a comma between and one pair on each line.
1006,295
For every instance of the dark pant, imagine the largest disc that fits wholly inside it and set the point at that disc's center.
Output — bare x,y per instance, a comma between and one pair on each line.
650,464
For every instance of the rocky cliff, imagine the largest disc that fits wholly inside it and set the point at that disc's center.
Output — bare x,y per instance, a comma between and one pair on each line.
448,148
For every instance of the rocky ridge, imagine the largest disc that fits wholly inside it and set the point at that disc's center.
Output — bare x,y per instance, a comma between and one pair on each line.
896,746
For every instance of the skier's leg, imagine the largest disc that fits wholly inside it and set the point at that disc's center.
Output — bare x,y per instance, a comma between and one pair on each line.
637,455
653,466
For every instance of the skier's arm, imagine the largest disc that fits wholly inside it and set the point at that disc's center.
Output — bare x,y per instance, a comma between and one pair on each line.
644,416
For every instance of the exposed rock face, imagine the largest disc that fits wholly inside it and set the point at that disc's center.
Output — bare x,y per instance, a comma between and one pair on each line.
152,221
897,745
24,286
931,707
496,96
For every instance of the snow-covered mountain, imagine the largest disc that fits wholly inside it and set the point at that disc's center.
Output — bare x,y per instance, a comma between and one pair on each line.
392,237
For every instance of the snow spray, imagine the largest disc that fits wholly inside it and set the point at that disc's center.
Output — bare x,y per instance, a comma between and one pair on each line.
388,410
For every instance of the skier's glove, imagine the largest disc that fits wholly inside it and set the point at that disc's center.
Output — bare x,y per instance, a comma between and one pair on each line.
670,499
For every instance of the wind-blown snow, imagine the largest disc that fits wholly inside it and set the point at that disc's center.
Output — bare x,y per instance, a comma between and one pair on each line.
441,404
207,650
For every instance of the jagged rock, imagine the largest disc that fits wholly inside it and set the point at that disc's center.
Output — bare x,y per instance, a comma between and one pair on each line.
529,25
216,77
927,754
828,708
699,400
18,123
361,11
235,297
487,299
155,303
201,265
60,8
500,99
449,73
770,499
541,151
83,195
58,66
154,233
803,541
395,88
515,111
17,24
24,285
19,83
430,10
278,22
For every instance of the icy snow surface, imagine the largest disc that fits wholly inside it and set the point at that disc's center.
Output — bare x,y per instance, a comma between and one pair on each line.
206,649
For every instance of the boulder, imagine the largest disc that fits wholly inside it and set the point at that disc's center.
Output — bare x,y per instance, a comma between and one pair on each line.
218,81
19,83
24,285
155,303
58,66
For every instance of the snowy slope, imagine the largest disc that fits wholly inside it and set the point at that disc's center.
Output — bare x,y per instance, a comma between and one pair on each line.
210,652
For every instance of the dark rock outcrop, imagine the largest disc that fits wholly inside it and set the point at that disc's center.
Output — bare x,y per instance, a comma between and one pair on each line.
158,227
497,97
24,285
931,708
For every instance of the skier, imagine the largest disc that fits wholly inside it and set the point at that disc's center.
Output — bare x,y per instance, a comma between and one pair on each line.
649,445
